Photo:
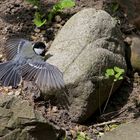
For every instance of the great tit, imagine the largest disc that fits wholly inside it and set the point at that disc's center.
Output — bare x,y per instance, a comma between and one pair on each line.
25,61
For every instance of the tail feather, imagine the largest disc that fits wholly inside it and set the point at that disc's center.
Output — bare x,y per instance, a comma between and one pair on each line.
9,74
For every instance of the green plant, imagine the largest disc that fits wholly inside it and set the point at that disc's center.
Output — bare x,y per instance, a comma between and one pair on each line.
117,74
58,7
40,20
38,16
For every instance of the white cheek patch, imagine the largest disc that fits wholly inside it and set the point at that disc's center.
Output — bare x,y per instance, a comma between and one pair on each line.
38,51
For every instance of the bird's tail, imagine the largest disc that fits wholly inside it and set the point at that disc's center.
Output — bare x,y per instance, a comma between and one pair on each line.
9,74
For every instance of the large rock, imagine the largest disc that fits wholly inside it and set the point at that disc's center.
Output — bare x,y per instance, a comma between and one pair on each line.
19,121
132,9
88,44
130,131
135,52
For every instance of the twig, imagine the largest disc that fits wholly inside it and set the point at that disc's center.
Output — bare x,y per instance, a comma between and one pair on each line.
106,123
118,120
110,114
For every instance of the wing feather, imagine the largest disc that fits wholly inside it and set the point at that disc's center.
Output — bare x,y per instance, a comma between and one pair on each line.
45,75
13,46
9,74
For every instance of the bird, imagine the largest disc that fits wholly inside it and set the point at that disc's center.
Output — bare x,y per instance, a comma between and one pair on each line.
25,61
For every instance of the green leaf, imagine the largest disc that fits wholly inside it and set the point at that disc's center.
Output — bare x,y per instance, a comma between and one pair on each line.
117,75
110,72
120,78
67,4
38,21
106,75
118,70
63,4
57,7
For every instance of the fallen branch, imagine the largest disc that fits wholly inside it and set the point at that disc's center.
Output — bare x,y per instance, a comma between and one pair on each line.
106,123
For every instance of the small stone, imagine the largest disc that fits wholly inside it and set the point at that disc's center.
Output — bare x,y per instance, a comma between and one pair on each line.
13,10
37,30
44,39
10,93
1,56
35,7
58,18
5,89
135,85
17,93
57,25
10,87
33,37
43,32
62,22
50,30
54,109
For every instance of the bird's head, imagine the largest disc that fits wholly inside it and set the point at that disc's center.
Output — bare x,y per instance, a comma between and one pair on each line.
39,48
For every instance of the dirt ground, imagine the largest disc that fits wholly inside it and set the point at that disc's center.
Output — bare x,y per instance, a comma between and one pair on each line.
16,20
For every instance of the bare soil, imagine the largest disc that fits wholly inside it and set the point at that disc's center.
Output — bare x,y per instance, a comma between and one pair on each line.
16,20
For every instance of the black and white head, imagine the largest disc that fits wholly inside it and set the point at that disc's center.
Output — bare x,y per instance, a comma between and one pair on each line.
39,48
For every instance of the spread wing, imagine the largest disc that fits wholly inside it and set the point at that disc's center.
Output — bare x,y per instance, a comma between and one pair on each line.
9,74
13,46
45,75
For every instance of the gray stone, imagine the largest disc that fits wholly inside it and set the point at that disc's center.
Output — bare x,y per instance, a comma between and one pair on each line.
135,52
88,44
5,101
20,121
128,131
